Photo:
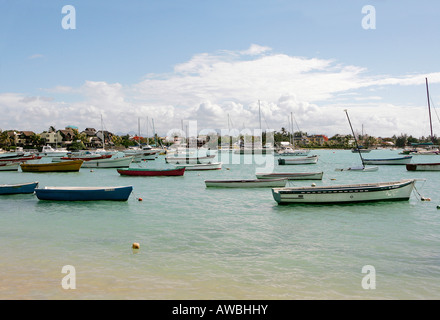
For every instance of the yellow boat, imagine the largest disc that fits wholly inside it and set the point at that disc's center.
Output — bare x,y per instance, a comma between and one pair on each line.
65,166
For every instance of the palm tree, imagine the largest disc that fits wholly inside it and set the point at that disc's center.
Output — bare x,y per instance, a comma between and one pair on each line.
5,141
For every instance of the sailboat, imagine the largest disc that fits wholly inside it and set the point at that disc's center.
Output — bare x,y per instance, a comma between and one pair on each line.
425,166
290,151
253,149
141,152
361,168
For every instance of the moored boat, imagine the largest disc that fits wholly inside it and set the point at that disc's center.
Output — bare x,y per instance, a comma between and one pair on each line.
49,151
359,168
247,183
189,160
291,175
389,161
179,171
18,188
201,166
108,163
84,193
292,152
423,166
66,166
19,158
9,166
365,192
300,160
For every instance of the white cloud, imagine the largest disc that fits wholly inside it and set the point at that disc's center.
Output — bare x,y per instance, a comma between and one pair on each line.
212,88
36,56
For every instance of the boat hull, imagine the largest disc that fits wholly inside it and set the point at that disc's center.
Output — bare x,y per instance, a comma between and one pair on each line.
18,188
292,176
11,166
189,160
391,161
202,166
152,172
423,167
66,166
84,193
252,183
301,160
108,163
389,191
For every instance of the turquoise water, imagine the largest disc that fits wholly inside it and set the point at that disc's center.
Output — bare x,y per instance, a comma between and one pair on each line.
212,243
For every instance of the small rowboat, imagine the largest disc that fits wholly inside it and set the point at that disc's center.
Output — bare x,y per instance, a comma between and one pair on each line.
390,161
250,183
201,166
123,162
9,166
18,188
366,192
84,193
189,160
292,175
423,166
65,166
19,158
179,171
301,160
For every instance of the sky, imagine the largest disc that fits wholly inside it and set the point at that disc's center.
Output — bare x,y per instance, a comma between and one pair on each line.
214,65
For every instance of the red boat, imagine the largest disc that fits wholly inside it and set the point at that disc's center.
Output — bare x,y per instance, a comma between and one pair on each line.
19,159
87,158
179,171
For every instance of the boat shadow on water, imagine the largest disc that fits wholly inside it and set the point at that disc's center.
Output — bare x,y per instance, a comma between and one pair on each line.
81,207
376,207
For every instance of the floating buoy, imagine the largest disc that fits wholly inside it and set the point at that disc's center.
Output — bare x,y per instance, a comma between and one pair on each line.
135,246
139,199
313,184
438,207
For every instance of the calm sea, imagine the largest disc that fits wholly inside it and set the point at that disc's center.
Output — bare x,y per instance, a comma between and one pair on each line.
212,243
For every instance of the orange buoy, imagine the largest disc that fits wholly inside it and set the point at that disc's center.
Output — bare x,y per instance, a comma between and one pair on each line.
135,245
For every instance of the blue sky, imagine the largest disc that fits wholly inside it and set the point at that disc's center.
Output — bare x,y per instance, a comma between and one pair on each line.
183,60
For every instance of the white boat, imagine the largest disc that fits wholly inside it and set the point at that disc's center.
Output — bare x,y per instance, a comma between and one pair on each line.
254,151
291,152
389,161
365,192
291,175
9,166
108,163
189,160
142,153
201,166
48,151
247,183
423,166
300,160
360,168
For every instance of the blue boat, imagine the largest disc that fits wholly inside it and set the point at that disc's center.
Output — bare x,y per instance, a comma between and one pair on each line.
84,193
18,188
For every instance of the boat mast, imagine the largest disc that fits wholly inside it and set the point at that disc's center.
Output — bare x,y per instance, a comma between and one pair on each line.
292,137
355,140
429,109
102,132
